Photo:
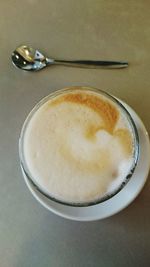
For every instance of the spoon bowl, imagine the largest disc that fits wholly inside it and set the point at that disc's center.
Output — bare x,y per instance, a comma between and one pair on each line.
28,58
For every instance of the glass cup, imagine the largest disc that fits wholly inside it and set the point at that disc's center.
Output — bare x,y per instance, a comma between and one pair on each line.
24,165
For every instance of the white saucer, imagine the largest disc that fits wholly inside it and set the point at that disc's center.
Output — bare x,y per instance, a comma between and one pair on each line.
116,203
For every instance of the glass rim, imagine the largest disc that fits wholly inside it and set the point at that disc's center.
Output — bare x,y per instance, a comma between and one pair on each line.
58,93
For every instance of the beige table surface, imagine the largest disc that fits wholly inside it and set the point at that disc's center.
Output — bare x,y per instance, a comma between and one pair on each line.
29,234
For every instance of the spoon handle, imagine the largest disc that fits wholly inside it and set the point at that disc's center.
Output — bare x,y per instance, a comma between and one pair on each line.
93,63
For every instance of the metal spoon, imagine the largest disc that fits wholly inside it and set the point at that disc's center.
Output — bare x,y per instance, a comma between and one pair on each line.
30,59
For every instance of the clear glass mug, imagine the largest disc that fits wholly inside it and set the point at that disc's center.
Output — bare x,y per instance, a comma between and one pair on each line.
122,108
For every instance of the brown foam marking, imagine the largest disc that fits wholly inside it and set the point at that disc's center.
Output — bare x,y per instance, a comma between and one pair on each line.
110,115
124,136
105,109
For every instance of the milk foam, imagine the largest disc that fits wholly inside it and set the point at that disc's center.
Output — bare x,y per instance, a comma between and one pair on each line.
74,151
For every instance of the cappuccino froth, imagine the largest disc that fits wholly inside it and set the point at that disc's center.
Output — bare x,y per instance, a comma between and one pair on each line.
79,146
